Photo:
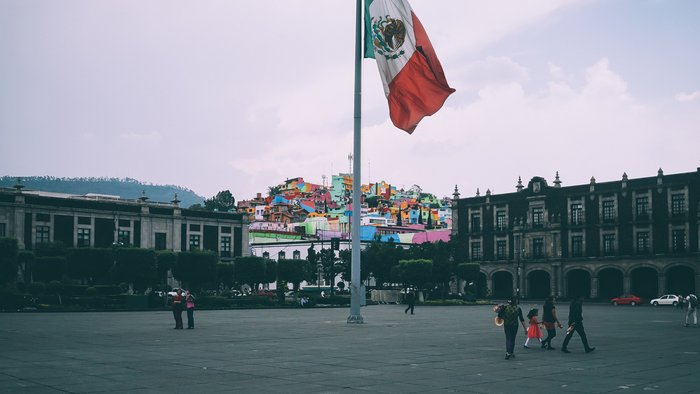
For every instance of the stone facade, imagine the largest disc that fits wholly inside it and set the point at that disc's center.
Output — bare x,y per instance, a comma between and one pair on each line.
34,217
598,240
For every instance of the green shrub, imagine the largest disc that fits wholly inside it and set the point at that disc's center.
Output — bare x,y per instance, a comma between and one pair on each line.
54,287
37,288
74,290
91,292
107,289
49,268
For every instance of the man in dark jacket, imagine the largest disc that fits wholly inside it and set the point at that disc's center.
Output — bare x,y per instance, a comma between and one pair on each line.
576,324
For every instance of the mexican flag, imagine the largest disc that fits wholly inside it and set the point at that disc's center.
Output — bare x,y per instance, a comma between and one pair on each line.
414,82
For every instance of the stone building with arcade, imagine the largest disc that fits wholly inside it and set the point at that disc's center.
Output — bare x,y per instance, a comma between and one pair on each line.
597,240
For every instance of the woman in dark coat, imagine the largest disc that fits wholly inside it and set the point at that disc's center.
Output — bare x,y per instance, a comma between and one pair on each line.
549,319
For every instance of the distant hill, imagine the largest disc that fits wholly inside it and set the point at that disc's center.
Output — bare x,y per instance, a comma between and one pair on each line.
123,187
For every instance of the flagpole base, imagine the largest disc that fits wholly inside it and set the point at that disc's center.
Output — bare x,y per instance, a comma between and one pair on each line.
355,319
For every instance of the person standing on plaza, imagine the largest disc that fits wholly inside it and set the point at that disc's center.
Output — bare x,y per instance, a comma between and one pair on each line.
177,305
534,331
576,325
189,302
510,314
549,320
410,300
692,301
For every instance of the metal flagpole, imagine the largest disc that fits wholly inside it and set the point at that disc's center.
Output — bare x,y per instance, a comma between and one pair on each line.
355,285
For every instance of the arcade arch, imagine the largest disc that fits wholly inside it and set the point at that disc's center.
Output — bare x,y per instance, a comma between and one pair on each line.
538,284
578,283
502,284
644,282
610,283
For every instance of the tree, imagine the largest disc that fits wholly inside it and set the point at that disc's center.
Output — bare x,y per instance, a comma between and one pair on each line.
416,272
222,202
469,272
165,261
89,265
378,259
270,271
137,267
292,271
372,201
249,270
224,275
48,268
8,260
196,269
273,191
25,260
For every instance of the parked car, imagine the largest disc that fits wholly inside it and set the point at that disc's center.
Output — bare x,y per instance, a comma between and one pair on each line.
668,299
628,299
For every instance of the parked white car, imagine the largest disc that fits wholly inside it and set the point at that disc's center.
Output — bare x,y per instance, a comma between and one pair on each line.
668,299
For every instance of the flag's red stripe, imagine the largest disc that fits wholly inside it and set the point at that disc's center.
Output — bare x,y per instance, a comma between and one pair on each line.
420,88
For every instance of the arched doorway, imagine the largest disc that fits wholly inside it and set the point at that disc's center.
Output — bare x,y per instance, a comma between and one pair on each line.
644,282
538,284
610,283
578,283
481,288
680,280
502,284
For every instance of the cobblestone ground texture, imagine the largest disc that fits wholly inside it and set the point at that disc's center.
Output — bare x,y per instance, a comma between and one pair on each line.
439,349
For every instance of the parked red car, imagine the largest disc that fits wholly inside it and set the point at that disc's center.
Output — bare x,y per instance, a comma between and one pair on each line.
630,299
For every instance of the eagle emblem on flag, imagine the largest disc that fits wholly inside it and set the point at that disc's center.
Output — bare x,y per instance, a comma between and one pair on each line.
388,35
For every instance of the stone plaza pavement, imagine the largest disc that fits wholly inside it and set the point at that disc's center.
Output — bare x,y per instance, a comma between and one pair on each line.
439,349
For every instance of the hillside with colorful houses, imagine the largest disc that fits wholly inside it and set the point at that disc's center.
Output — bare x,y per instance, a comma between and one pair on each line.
300,210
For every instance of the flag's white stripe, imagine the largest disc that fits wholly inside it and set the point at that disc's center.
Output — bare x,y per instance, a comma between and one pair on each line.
397,9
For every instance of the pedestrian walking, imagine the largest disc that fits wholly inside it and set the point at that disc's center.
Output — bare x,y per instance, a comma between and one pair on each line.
692,301
550,322
576,325
510,314
410,300
178,301
189,302
534,330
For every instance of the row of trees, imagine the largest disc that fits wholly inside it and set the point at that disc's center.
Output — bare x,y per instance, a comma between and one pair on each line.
429,265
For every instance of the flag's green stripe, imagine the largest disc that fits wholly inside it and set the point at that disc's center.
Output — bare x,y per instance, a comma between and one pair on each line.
369,46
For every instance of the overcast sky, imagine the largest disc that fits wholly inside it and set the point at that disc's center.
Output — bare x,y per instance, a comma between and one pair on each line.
240,95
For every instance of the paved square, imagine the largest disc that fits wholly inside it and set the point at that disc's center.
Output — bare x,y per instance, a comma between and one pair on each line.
439,349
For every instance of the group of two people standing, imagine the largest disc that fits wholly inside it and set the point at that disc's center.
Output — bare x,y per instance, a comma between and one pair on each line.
181,302
512,315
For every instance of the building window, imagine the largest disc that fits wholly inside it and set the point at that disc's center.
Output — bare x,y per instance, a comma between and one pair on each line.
476,251
161,241
195,227
225,246
608,244
643,242
501,250
677,204
609,210
281,255
577,245
501,223
124,223
42,234
266,255
576,213
538,248
2,229
678,240
83,237
537,217
642,207
124,237
225,230
194,241
43,217
296,255
84,220
476,222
